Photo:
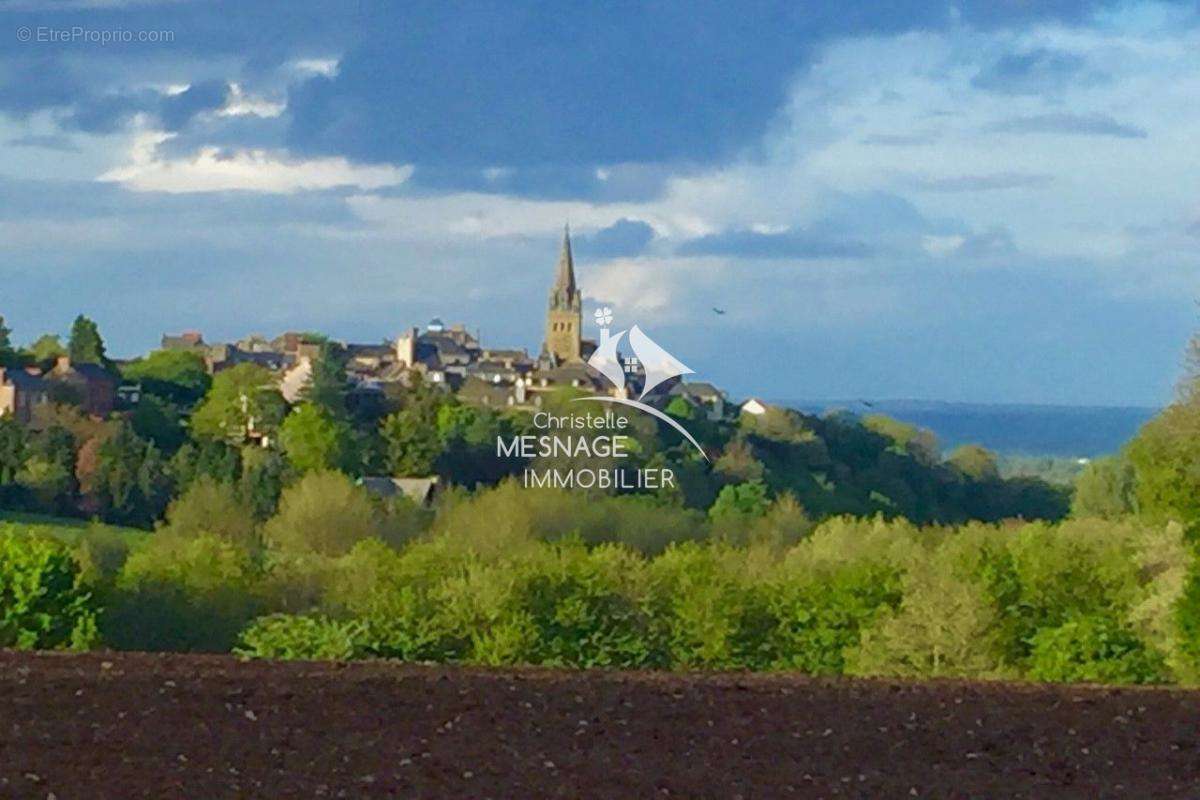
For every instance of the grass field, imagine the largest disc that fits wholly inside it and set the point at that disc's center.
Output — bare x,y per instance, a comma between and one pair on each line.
66,529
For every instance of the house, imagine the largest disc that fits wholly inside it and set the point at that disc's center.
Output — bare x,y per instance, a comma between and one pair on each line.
91,385
755,407
223,356
421,491
704,396
191,341
20,394
295,380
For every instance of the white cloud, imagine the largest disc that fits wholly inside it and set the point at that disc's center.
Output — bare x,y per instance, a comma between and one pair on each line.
240,104
484,216
325,67
213,170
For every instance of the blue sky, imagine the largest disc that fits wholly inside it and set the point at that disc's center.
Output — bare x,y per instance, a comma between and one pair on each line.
971,201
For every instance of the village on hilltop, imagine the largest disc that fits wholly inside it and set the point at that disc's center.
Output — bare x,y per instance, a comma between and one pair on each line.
447,356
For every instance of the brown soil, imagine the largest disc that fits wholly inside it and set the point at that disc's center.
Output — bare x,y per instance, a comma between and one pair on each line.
124,726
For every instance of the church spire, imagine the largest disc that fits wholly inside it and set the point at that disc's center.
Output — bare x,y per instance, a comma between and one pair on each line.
564,280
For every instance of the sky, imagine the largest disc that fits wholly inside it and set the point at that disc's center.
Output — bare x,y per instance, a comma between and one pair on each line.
964,201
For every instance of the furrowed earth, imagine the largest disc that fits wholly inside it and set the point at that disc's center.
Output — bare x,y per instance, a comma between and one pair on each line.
171,726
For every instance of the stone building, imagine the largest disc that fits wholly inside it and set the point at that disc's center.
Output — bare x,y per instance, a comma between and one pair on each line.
564,318
20,394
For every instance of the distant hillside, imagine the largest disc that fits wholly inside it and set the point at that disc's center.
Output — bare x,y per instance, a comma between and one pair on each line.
1067,431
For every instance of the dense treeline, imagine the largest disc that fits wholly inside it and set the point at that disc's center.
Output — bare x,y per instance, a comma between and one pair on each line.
512,576
237,429
831,545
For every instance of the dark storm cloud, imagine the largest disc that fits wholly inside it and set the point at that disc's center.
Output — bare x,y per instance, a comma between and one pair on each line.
625,237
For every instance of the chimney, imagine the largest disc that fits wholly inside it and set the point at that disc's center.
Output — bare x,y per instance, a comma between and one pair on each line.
62,364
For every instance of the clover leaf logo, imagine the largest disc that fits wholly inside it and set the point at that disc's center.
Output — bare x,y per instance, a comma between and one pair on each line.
604,316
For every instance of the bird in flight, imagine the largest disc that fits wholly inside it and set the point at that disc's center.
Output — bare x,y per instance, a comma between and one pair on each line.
867,403
719,311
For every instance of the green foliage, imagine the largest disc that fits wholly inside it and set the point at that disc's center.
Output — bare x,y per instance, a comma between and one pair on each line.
176,376
316,440
1186,619
327,386
509,517
181,595
919,443
975,462
85,345
209,507
297,637
46,349
738,504
1105,489
215,459
574,608
48,483
737,464
101,552
1096,649
243,400
8,356
324,512
1055,470
43,603
946,626
411,434
12,449
159,422
1165,456
264,473
130,485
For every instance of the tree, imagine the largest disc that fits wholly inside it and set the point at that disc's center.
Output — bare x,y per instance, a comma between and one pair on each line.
177,376
130,483
413,442
158,421
468,437
209,507
7,355
737,463
48,474
243,400
12,449
323,512
214,458
264,473
1104,489
327,387
975,463
742,501
46,349
85,345
919,443
43,604
315,439
1165,456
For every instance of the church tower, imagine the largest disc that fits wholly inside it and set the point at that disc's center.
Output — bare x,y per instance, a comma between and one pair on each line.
565,315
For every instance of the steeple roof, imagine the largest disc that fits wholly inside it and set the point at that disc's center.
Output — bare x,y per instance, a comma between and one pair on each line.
564,279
